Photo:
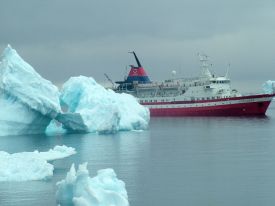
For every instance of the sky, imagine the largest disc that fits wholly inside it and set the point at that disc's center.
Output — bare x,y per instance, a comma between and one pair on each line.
64,38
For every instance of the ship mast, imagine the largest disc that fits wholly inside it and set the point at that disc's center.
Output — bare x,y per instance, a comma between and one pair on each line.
204,65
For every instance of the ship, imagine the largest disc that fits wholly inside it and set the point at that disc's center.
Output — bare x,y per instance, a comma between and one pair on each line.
205,95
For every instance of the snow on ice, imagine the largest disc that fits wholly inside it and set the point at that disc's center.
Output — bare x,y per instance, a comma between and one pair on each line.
26,166
100,109
29,103
79,189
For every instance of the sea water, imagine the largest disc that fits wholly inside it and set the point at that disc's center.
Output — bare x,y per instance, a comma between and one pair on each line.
192,161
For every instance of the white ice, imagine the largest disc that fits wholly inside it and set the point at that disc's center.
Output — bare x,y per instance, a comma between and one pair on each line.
81,190
58,152
269,87
26,166
55,128
28,102
97,109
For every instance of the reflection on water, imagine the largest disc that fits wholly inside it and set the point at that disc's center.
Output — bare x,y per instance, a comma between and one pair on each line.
178,161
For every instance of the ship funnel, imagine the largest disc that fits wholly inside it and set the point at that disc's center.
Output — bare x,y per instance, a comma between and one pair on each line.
138,73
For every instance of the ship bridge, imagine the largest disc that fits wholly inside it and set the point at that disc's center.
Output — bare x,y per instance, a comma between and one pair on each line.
220,80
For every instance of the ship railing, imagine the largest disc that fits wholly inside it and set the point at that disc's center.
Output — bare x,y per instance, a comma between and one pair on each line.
252,93
183,79
158,95
159,85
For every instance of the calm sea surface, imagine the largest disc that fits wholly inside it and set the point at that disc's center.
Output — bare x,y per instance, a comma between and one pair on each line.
178,161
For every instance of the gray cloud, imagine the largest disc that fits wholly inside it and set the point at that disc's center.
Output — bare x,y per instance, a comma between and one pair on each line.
65,37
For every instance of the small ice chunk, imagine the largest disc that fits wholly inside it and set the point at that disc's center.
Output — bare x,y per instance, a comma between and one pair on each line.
269,87
26,166
79,189
55,128
58,152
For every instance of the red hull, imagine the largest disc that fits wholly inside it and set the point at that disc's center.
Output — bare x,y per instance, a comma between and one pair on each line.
249,108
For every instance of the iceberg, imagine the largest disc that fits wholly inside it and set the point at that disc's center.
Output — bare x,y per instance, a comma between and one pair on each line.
269,87
79,189
28,101
31,104
92,108
27,166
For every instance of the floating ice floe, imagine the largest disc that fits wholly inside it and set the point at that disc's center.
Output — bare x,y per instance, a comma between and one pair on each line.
26,166
28,102
92,108
269,87
102,190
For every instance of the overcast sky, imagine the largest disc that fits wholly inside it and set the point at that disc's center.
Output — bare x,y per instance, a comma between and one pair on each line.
63,38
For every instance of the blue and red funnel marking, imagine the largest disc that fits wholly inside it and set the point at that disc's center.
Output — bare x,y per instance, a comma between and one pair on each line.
137,73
